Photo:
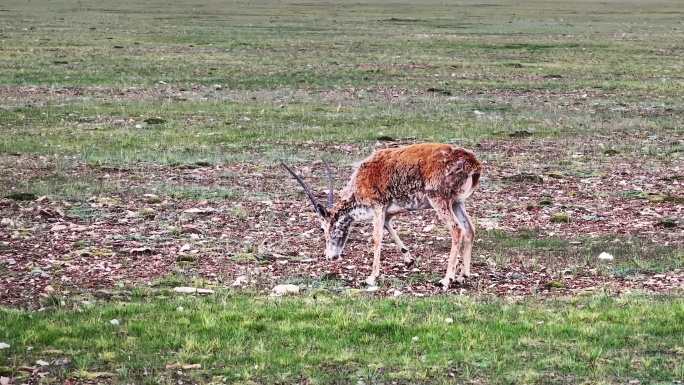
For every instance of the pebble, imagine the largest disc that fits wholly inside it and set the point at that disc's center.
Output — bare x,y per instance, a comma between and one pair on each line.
284,289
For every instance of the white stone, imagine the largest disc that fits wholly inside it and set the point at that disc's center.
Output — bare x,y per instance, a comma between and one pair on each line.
185,289
415,339
199,210
285,289
42,363
605,257
241,280
59,227
180,308
4,345
114,322
449,320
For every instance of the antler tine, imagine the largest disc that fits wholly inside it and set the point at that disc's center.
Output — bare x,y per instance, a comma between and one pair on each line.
331,196
312,198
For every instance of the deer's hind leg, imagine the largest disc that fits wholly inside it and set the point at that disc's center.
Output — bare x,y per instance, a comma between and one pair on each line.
468,238
404,251
457,230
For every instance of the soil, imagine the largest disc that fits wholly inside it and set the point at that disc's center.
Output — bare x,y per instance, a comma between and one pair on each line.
267,232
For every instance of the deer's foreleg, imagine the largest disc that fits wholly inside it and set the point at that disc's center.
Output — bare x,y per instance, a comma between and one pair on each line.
378,227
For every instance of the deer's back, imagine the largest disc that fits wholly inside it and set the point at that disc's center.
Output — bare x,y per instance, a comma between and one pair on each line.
413,172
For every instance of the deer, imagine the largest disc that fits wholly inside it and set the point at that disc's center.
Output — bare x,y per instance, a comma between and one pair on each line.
396,180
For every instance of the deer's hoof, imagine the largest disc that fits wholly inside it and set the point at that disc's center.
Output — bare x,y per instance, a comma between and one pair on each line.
444,283
371,282
409,263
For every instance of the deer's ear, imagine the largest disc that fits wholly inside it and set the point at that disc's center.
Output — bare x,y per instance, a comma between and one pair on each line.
322,211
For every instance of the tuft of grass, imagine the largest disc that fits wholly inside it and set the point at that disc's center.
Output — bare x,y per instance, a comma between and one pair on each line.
560,218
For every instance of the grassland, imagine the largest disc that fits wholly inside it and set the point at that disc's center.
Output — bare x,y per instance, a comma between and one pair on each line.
351,339
125,115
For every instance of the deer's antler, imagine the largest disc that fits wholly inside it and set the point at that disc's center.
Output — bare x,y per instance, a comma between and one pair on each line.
309,194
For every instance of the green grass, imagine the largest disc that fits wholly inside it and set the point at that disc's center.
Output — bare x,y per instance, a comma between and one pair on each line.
321,339
634,255
330,73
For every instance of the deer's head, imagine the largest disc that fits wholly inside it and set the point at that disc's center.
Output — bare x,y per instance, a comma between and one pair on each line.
335,233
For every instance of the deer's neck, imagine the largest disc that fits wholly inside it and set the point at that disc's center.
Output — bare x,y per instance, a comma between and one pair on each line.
348,211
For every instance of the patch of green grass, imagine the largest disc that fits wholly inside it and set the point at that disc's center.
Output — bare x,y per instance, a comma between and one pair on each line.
327,73
631,253
239,338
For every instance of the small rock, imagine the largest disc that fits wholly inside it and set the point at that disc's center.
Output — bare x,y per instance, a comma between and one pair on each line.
138,126
186,289
285,289
42,363
197,210
415,339
180,308
4,345
241,280
192,366
10,261
397,293
114,322
6,222
428,228
605,257
217,87
59,227
162,82
141,251
449,320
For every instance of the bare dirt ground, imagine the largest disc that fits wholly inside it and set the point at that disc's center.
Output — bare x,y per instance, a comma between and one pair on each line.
54,248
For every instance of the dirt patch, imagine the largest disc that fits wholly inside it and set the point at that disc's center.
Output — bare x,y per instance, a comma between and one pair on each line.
266,231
